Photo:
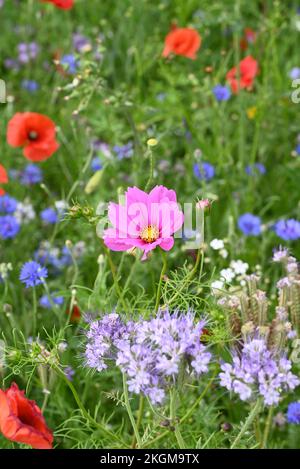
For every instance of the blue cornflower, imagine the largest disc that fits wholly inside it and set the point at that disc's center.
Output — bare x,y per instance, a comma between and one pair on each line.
49,216
293,413
46,302
255,168
31,174
30,85
33,274
297,149
249,224
9,227
289,230
204,171
222,93
70,63
124,151
96,164
7,204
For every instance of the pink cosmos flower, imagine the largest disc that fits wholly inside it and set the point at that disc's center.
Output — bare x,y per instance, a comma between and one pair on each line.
144,221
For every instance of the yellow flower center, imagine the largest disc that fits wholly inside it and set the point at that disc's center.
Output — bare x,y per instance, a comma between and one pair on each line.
149,234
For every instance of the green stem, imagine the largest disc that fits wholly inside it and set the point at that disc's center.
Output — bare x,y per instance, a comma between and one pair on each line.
162,273
45,402
173,408
130,414
151,170
188,414
257,429
267,428
127,281
139,418
251,417
115,279
83,409
75,265
197,402
53,305
34,311
189,277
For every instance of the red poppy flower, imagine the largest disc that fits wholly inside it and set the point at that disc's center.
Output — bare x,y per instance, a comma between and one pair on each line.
3,178
63,4
247,71
22,421
35,132
182,41
75,315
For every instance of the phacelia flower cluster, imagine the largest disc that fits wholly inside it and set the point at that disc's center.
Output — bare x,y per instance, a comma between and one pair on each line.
152,353
257,371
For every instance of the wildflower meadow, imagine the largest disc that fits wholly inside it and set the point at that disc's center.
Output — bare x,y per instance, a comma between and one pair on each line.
149,225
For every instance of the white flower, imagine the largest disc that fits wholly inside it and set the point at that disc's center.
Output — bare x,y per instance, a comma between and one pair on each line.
224,253
4,270
227,274
217,244
61,207
24,212
62,346
79,249
217,285
239,267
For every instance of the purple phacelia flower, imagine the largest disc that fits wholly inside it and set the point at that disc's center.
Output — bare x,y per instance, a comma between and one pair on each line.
281,254
257,371
152,353
69,373
11,64
81,43
27,52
